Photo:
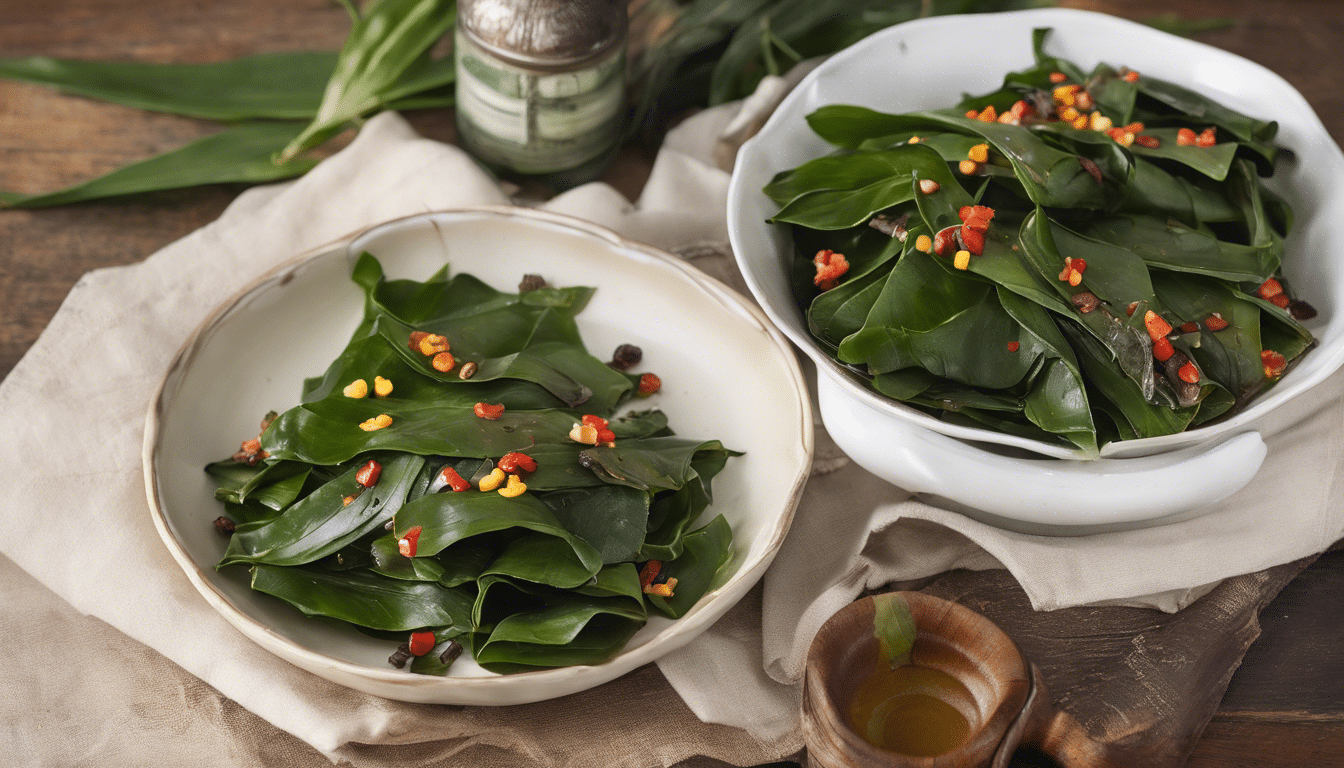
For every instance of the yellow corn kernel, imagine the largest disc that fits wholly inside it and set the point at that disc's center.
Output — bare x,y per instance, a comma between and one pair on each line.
347,501
1075,277
979,153
376,423
661,590
433,344
583,433
913,140
1081,122
968,167
1067,90
1083,100
1126,139
962,260
924,243
1099,122
515,487
1068,114
356,389
493,480
381,387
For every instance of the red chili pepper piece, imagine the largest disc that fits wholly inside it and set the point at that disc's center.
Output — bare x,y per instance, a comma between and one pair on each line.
596,422
488,412
454,480
648,384
1013,346
1189,373
1215,322
421,643
1189,327
415,339
976,216
1162,350
649,572
1207,138
974,240
1185,138
1058,77
1273,362
945,241
513,463
831,266
606,436
1281,301
368,474
1269,289
1157,327
1151,142
406,545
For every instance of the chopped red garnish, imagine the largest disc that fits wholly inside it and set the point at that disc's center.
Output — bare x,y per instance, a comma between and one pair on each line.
421,643
513,463
454,480
368,474
1013,346
1162,350
1185,138
1215,322
1273,362
406,545
1189,373
973,239
1157,327
649,572
945,241
831,266
648,384
1189,327
488,412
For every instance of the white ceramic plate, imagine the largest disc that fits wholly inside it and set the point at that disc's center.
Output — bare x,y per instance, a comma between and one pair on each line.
928,64
727,374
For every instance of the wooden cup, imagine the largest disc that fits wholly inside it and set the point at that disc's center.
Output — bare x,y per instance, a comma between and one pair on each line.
1010,704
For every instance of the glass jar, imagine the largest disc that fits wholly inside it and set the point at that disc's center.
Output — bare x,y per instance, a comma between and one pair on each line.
541,85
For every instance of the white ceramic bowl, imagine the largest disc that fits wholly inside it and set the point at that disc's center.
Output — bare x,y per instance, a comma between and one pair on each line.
726,374
928,64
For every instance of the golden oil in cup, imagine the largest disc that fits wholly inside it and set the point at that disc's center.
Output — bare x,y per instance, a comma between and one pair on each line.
911,709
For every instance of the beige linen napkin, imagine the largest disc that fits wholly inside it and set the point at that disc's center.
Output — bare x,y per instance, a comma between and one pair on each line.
76,518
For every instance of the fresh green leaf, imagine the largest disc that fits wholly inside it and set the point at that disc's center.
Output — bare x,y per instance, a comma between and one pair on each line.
277,86
894,627
241,154
389,39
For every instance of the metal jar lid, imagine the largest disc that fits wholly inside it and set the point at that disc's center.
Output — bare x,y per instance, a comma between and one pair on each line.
543,33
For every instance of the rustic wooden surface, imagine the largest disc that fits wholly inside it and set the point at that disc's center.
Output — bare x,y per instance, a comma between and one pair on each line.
1283,707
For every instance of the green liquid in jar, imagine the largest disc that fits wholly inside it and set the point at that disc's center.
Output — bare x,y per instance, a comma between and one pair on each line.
906,710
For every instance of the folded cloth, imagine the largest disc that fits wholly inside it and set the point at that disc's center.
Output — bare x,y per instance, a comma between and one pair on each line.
77,520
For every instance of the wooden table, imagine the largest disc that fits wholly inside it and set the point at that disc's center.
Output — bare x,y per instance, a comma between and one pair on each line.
1285,706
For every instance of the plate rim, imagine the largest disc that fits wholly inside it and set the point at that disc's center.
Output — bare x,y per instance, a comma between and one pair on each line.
665,641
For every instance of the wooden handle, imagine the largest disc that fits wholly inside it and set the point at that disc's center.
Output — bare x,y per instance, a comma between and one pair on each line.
1053,731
